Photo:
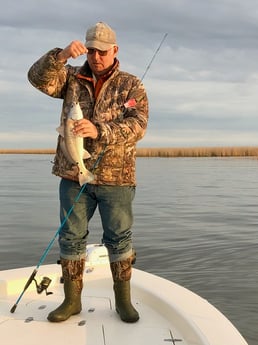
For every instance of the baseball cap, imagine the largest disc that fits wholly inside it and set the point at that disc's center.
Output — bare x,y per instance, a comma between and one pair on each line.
100,36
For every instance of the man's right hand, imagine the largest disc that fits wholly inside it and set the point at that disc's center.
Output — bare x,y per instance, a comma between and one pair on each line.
73,50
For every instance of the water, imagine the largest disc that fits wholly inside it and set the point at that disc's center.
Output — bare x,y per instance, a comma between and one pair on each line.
195,223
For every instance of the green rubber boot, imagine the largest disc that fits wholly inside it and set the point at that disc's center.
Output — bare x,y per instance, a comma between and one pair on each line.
124,306
121,272
73,277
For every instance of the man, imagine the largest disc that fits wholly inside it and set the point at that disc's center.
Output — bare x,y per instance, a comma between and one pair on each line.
115,114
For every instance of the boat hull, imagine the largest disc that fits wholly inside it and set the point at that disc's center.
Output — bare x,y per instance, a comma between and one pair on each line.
168,312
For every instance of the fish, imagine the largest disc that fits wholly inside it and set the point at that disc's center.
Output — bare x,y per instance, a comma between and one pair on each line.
73,145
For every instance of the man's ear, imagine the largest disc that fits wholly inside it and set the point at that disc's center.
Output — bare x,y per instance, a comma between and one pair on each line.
116,50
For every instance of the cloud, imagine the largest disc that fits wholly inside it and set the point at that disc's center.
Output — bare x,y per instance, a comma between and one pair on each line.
202,84
27,139
198,138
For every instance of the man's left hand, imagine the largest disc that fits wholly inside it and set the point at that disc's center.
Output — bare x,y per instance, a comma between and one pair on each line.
85,128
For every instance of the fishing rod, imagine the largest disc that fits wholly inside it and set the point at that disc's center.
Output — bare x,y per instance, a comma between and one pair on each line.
46,281
43,285
154,55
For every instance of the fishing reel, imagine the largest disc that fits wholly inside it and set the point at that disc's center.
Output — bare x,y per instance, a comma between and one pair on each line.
43,285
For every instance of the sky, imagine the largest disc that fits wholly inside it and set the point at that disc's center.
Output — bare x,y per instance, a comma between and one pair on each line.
202,84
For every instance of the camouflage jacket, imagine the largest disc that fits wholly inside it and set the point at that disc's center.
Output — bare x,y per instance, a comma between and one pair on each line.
119,121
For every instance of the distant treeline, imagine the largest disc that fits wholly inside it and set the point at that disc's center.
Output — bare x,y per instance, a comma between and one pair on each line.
243,151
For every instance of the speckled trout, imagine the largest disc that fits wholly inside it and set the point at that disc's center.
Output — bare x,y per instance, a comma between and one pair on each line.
73,146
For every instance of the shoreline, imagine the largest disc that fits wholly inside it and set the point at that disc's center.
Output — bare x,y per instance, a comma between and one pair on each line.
234,151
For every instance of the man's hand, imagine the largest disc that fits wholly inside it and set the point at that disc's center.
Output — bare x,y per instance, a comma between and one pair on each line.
73,50
85,128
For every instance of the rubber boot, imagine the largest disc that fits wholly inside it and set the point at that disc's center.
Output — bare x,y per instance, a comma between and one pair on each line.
73,283
121,272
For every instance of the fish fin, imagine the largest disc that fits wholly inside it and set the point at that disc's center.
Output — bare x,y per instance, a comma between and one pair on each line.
60,130
86,154
85,177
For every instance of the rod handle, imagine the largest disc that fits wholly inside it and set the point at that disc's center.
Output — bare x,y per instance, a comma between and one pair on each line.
32,276
13,308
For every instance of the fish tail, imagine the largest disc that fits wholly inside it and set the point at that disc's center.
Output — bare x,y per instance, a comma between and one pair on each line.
85,176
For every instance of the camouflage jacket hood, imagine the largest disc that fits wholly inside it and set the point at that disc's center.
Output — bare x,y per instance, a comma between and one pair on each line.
120,122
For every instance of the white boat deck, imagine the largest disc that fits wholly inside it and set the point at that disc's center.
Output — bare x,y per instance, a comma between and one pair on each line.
169,313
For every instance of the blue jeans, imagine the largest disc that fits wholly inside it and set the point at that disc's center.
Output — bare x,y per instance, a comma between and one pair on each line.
115,208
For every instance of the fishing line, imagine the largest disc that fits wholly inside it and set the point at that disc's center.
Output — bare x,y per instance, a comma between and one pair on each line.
45,253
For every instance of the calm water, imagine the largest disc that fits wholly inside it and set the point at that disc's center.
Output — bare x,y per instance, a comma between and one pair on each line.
196,223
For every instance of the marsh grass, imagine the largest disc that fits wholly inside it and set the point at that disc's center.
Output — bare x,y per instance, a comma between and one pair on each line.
242,151
27,151
198,152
